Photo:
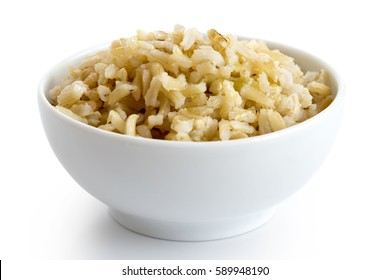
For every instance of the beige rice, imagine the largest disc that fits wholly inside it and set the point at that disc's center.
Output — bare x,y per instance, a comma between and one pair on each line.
188,87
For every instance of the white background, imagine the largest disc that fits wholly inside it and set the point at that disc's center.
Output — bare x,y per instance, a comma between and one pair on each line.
341,217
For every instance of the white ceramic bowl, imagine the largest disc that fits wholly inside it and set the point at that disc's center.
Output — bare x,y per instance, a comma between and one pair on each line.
191,191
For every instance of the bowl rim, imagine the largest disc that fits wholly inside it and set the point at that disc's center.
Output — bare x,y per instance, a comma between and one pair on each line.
338,98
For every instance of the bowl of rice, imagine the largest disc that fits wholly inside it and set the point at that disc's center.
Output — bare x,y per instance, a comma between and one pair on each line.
190,136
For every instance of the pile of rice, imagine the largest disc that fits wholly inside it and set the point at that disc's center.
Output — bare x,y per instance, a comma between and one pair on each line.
188,87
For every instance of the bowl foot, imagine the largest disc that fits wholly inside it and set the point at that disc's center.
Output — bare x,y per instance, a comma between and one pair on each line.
187,231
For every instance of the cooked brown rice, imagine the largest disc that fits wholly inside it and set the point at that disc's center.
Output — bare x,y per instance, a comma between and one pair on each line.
188,87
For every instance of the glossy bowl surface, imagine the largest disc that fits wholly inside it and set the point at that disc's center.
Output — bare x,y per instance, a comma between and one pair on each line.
191,191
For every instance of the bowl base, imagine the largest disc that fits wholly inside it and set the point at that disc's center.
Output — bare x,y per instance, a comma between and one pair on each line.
200,231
